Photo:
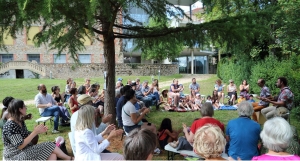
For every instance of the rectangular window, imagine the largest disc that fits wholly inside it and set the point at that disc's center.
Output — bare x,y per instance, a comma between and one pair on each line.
31,33
59,59
7,39
35,57
4,58
84,58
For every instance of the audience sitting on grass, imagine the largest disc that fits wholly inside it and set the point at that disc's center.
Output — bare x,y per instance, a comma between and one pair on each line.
209,142
155,90
185,104
18,140
86,100
89,146
215,100
197,102
209,99
139,145
241,99
132,118
73,104
166,134
140,96
48,107
87,84
207,111
147,92
242,134
245,88
231,89
4,113
174,93
60,100
120,104
138,84
219,87
118,84
81,90
164,101
194,88
68,86
276,137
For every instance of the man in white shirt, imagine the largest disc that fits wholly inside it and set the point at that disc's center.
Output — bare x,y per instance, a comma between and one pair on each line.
48,106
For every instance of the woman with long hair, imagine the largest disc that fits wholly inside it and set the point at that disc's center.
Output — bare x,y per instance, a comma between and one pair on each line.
245,88
60,100
166,134
18,140
220,88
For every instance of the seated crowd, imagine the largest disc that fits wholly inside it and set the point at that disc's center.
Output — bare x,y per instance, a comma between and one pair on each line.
206,136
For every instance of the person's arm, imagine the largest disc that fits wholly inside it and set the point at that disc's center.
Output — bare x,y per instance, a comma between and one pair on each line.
92,141
280,103
71,104
146,93
189,135
241,87
172,135
135,118
37,130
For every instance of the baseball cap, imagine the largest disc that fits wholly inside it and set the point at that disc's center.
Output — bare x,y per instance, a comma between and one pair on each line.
120,79
84,99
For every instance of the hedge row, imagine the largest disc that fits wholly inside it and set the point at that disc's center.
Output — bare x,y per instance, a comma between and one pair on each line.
269,69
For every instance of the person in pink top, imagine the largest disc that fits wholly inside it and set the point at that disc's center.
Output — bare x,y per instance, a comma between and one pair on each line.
276,136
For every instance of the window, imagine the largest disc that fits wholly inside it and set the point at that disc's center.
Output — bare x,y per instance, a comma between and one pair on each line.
84,58
4,58
7,39
59,59
31,33
32,57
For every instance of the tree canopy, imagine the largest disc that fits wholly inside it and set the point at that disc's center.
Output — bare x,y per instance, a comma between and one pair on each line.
65,23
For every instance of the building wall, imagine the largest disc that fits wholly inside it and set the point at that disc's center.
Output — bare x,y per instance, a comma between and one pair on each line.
65,71
21,47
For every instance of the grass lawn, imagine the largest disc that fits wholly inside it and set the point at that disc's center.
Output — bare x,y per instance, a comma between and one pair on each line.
116,146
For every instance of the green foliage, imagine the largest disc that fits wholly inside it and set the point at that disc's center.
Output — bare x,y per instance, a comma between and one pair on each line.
161,49
269,69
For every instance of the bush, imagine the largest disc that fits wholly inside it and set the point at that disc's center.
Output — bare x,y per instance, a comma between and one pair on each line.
269,69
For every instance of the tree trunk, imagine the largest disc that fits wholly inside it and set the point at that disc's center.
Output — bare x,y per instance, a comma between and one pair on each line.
109,56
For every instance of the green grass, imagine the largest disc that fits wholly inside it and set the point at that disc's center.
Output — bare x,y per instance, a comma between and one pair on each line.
9,86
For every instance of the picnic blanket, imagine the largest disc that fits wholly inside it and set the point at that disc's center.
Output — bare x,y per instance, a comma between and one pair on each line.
227,107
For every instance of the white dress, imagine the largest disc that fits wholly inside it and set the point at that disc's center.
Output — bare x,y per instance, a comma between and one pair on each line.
87,145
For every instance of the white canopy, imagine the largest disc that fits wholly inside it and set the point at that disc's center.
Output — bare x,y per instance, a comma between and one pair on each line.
183,2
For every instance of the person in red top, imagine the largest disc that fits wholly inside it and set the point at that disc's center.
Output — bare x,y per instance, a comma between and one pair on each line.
166,134
73,104
206,112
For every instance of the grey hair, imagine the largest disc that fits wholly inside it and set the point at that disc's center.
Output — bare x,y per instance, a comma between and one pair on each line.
139,144
245,109
207,109
276,134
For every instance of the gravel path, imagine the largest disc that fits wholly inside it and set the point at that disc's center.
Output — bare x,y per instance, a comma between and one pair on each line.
185,79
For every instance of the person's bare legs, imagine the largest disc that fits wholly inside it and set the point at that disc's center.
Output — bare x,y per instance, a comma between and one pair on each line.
233,99
176,98
58,153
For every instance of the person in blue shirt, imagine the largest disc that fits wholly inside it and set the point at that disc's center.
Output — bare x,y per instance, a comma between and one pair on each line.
251,99
242,134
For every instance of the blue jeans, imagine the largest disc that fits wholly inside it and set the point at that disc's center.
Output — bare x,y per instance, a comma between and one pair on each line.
130,128
56,112
156,96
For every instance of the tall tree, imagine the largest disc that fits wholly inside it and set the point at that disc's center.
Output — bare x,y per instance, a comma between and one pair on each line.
66,23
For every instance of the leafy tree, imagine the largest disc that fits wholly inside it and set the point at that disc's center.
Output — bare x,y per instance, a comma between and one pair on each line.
167,49
66,22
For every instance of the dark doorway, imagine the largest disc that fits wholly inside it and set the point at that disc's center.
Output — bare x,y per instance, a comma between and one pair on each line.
19,73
